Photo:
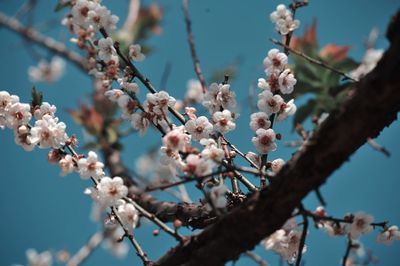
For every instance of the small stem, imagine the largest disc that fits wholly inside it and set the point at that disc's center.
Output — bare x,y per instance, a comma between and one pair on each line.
312,60
303,237
154,219
195,59
86,250
347,253
135,244
256,258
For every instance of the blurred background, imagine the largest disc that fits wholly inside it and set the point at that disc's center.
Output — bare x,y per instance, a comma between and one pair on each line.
44,211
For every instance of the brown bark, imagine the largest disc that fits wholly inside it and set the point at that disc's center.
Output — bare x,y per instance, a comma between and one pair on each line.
372,106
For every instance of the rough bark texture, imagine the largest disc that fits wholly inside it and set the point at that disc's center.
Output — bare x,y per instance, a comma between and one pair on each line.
190,214
372,106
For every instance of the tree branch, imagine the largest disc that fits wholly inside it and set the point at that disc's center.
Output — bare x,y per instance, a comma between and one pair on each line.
43,41
372,106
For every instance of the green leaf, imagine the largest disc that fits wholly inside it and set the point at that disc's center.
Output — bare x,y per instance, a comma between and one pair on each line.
92,146
37,97
60,6
112,135
304,111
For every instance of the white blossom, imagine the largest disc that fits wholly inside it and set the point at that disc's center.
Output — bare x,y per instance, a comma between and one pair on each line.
107,51
18,114
44,109
361,224
223,121
140,122
47,71
287,109
219,96
22,137
389,235
226,97
264,140
283,19
218,196
259,120
135,53
67,165
6,100
199,128
194,92
276,165
129,215
159,102
132,87
115,95
197,166
371,58
269,103
286,82
176,139
213,153
118,248
39,259
285,241
111,190
90,166
275,61
48,132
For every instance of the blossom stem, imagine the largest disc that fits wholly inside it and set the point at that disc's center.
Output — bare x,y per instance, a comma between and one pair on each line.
256,258
347,253
303,236
145,81
312,60
135,244
195,59
154,219
86,250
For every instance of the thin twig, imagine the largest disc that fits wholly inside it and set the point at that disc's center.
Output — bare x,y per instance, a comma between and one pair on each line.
376,146
43,41
347,253
154,219
256,258
195,59
135,244
320,197
312,60
86,250
303,236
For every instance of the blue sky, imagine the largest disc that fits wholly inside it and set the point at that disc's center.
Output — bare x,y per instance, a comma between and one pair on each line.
44,211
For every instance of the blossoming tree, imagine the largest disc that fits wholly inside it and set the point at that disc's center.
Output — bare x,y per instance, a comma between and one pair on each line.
247,198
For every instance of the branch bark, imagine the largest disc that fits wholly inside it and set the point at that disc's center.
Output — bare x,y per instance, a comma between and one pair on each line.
190,214
372,106
46,42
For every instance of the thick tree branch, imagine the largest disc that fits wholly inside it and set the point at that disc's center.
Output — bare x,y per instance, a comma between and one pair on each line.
46,42
372,106
190,214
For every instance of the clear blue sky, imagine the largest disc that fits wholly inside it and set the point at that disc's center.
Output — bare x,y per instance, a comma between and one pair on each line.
41,210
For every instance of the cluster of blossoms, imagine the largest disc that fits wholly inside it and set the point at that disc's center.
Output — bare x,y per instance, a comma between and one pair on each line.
285,241
48,132
283,19
89,15
47,71
270,102
355,225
